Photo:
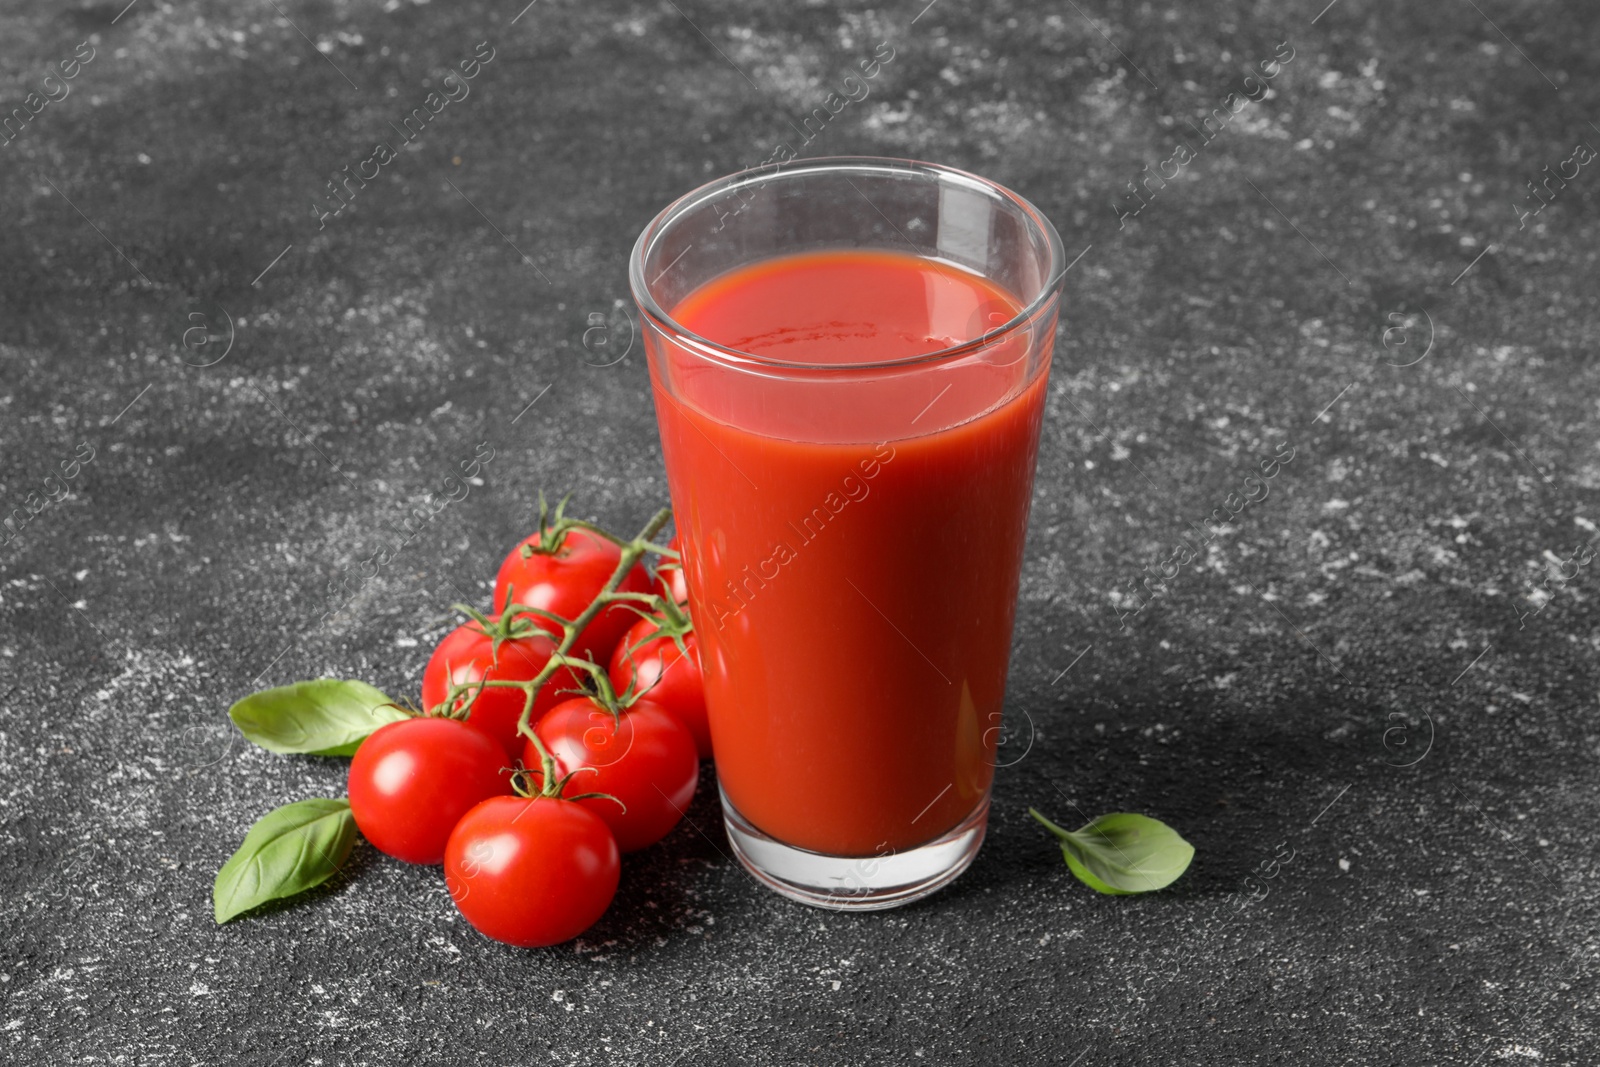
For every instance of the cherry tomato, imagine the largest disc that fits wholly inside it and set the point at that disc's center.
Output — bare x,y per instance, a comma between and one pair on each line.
567,582
531,871
647,761
410,781
670,574
665,676
467,654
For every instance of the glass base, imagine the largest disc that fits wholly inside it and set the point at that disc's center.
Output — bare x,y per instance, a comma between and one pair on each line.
855,883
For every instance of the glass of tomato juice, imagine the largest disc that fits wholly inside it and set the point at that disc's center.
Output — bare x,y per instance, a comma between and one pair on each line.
849,360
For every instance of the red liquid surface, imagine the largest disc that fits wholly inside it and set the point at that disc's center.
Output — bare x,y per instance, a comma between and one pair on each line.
852,548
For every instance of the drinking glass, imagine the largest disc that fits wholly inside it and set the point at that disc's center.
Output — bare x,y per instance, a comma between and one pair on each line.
852,531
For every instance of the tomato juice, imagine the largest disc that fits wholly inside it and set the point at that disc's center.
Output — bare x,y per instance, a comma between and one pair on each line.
853,535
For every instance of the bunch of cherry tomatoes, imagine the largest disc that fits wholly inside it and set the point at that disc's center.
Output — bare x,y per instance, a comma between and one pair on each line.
556,735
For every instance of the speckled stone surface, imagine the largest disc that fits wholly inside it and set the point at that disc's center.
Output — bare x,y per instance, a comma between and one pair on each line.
1369,704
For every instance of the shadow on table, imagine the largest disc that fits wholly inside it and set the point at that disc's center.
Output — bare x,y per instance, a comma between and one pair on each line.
662,895
1235,777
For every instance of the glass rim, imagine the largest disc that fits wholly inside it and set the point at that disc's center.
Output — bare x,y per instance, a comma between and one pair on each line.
756,176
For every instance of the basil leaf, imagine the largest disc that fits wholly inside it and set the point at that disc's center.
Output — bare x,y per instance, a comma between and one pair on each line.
1086,876
1123,853
287,851
327,717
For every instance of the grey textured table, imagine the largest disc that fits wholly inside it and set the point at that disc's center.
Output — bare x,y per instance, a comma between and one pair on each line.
1384,754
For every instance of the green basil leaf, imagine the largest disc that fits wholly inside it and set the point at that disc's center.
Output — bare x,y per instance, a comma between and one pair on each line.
287,851
1123,853
1086,876
327,717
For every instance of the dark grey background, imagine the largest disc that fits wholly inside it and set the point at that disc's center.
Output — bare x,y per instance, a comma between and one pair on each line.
1345,676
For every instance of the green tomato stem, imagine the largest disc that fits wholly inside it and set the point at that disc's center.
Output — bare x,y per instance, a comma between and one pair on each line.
605,694
631,553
